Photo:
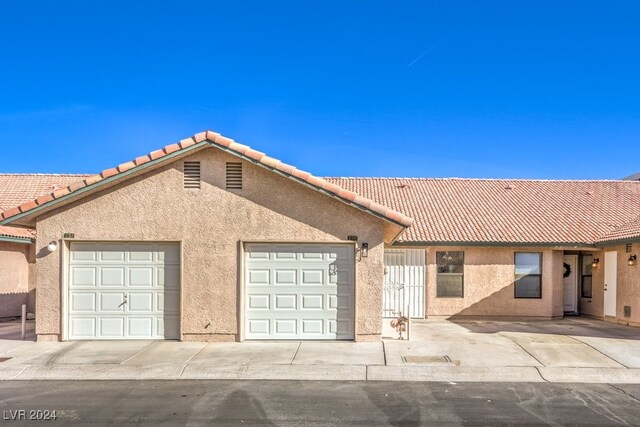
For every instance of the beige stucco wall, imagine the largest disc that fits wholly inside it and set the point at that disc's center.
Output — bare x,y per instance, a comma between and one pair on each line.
628,285
16,282
488,284
211,223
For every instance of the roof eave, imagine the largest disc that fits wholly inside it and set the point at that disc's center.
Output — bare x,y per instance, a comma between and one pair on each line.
16,239
31,213
563,245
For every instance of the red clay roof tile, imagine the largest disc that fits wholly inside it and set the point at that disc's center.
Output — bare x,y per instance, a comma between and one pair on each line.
109,172
76,186
92,179
141,160
483,211
126,166
172,148
156,154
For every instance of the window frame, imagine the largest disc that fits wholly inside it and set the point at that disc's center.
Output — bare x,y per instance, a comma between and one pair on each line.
582,275
516,278
438,274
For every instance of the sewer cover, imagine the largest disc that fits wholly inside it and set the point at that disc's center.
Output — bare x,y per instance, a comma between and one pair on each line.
426,359
4,359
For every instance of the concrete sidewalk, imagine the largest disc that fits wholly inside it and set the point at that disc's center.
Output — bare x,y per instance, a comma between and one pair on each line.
567,350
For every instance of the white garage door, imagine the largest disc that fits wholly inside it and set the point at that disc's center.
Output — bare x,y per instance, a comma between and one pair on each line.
299,291
124,291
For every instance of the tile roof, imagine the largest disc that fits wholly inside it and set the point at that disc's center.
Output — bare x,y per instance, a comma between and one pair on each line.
20,233
16,189
229,145
503,211
627,231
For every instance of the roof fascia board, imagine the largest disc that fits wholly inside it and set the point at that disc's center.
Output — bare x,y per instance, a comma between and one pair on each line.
12,239
618,242
306,184
106,181
558,245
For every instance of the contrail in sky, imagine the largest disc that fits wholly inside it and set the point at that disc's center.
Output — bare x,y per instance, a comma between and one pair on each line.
429,49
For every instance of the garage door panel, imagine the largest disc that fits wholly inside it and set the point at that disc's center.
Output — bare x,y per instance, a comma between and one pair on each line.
111,327
168,277
168,301
114,255
286,326
83,302
141,276
140,327
259,277
285,302
285,277
136,273
111,302
290,292
312,302
141,301
259,302
312,277
85,255
112,276
83,276
84,327
259,327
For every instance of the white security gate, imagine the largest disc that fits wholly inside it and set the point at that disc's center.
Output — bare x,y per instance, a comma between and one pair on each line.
403,282
124,291
299,291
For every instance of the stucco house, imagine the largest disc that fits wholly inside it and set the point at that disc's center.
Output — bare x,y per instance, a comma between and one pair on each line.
210,240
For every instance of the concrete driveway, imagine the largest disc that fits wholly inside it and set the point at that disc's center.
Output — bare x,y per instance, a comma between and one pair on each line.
566,350
581,348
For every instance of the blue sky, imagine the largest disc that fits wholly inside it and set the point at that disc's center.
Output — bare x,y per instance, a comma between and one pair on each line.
504,89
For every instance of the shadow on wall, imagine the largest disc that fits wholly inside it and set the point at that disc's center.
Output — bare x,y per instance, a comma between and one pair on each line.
11,303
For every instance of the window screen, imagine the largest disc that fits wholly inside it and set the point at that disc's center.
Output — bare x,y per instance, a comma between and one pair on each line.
528,275
586,290
450,280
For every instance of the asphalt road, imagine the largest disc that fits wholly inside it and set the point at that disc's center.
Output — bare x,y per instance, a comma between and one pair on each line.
317,403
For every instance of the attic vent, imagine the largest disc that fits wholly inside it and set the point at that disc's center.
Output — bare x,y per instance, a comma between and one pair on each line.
403,185
629,248
234,176
192,175
509,187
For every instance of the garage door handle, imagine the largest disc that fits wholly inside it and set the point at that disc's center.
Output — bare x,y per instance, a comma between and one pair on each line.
123,302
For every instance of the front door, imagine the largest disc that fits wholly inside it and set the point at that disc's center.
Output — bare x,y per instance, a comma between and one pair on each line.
570,284
610,282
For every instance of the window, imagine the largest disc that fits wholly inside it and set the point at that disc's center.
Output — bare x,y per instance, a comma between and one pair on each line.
585,276
528,269
192,175
450,280
234,176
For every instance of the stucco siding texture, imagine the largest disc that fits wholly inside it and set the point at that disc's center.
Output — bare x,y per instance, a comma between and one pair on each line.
489,274
628,285
211,223
15,287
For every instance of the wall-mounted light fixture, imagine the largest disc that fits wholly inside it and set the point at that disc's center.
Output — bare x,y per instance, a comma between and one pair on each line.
595,262
632,260
365,250
51,247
